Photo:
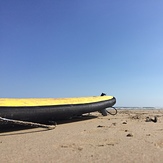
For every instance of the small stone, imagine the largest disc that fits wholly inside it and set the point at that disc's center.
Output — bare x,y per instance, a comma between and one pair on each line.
114,124
136,117
126,130
80,148
64,146
111,144
129,135
100,126
148,119
124,123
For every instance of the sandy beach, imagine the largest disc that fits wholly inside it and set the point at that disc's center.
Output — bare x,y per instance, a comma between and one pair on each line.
129,136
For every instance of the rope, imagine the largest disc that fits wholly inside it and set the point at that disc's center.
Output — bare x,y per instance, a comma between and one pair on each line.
25,123
113,113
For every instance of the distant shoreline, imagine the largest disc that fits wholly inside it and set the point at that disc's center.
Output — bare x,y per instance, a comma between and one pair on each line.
139,108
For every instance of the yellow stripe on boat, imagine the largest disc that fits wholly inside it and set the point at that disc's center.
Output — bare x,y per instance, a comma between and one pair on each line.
25,102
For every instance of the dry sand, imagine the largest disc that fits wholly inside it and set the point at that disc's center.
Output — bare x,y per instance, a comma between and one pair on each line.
123,138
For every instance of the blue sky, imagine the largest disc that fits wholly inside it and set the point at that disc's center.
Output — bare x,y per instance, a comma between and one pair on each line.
60,48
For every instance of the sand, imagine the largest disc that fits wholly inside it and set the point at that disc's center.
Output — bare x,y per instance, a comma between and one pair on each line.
125,138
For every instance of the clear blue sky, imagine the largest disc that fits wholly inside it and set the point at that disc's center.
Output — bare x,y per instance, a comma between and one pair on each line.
61,48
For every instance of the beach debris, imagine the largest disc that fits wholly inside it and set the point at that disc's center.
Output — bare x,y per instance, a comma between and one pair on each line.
148,119
80,148
129,135
124,122
102,145
114,124
64,146
126,130
111,144
100,126
154,120
136,117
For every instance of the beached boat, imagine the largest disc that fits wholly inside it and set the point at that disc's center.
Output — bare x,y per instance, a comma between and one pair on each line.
48,109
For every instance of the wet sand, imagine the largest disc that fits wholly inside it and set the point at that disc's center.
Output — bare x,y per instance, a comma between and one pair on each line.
126,137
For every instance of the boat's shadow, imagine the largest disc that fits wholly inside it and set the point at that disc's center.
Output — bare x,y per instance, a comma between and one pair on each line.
10,129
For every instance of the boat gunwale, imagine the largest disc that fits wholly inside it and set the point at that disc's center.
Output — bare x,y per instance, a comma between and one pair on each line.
55,106
70,101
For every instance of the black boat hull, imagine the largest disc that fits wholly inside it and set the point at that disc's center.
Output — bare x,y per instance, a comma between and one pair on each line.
53,113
